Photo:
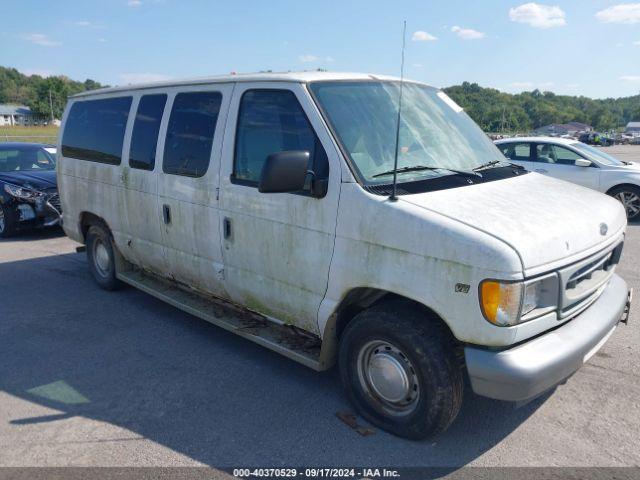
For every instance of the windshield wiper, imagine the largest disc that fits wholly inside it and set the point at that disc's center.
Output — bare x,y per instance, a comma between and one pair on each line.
492,163
417,168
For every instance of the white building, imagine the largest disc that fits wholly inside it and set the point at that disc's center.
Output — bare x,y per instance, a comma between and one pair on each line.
11,115
633,128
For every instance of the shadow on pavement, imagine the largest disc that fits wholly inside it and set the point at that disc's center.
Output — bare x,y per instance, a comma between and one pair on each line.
130,360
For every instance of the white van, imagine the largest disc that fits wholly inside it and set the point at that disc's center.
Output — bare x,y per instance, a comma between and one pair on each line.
263,204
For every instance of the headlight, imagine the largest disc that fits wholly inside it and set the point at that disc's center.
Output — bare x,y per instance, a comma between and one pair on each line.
509,303
21,192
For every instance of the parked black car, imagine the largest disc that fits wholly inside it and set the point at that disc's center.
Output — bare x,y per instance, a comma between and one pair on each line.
596,138
28,187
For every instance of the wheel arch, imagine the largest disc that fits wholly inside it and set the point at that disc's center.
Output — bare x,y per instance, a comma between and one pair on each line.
619,185
88,219
352,303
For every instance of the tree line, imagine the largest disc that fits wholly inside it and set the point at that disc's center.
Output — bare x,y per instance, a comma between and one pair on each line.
41,95
497,111
493,110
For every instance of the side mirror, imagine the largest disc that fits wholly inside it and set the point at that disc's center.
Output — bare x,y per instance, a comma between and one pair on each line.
583,162
284,172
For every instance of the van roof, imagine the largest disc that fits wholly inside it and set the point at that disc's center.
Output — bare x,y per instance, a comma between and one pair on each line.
297,77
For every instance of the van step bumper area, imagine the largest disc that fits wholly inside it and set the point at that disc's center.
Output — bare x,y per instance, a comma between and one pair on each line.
283,339
529,369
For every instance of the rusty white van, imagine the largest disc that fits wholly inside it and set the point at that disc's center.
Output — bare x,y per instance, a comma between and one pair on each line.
264,204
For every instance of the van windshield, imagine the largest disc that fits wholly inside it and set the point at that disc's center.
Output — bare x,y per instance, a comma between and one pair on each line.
434,131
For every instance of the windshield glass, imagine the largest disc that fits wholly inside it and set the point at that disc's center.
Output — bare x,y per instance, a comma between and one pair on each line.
601,156
25,159
434,131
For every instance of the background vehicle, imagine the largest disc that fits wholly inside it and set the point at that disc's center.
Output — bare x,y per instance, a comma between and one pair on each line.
269,194
595,138
578,163
28,191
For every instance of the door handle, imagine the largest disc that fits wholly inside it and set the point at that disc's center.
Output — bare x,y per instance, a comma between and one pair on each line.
166,214
541,170
227,228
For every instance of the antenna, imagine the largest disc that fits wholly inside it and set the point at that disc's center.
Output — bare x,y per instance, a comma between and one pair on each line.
393,196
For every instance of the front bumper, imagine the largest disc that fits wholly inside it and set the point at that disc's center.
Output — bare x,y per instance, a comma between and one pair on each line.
529,369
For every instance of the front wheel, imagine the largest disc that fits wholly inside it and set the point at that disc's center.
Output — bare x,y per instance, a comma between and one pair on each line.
629,196
7,221
401,370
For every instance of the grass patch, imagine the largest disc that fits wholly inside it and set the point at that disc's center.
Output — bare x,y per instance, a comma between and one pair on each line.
47,134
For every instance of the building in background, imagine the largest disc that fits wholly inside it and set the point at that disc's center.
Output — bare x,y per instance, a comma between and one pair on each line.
559,129
12,115
633,128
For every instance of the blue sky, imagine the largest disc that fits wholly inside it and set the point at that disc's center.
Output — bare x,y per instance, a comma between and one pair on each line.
581,47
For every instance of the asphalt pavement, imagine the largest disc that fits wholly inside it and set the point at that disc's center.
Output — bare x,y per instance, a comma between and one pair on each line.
96,378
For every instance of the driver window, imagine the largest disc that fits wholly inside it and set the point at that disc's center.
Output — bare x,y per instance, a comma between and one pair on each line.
556,154
271,121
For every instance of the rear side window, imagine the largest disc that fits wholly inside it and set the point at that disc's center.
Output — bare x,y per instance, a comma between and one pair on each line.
192,124
145,131
94,130
271,121
516,151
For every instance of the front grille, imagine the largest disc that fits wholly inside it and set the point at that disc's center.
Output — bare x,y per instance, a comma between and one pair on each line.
54,201
583,281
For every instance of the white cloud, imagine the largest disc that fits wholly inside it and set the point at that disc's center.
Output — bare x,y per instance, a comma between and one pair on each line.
87,24
422,36
102,40
39,72
40,39
522,85
630,78
129,78
637,43
572,85
307,58
538,16
623,13
467,33
417,65
134,3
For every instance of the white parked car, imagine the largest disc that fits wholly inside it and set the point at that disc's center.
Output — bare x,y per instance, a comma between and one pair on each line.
579,163
263,204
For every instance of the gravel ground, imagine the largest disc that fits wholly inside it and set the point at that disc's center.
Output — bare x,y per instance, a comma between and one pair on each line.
96,378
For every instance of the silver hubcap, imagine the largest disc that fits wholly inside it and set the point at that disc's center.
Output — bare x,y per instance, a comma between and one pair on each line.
101,257
631,202
388,377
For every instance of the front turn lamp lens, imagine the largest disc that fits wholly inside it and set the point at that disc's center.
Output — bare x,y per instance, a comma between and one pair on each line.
501,302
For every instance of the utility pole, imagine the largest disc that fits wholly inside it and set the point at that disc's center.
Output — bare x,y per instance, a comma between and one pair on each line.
51,105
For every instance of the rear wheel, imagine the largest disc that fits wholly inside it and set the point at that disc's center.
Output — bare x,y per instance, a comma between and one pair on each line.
101,258
400,370
7,221
629,196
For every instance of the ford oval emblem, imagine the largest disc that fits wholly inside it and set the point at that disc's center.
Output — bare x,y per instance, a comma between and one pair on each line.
603,229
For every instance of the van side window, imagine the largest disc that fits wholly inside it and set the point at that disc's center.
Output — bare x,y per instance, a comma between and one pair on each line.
94,130
271,121
192,124
144,138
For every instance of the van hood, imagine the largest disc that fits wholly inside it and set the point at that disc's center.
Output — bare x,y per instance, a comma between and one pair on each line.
543,219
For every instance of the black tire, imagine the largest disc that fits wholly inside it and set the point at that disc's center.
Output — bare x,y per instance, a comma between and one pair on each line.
101,258
434,366
628,191
8,221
